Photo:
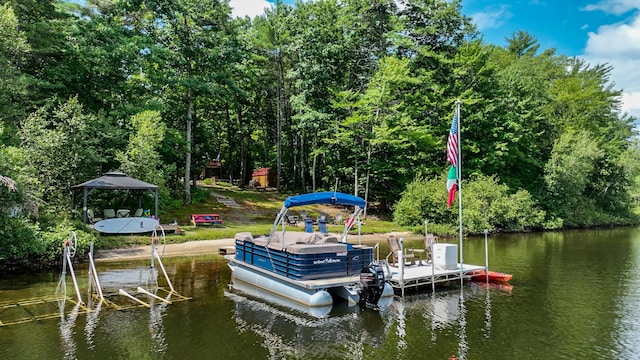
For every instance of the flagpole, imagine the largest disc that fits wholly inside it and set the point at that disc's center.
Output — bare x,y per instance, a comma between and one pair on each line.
459,180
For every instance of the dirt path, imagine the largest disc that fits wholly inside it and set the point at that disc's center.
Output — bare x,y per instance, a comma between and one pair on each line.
207,247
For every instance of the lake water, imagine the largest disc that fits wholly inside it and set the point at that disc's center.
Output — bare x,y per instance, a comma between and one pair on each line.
574,295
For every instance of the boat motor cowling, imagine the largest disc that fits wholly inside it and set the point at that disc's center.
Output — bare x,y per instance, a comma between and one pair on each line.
371,284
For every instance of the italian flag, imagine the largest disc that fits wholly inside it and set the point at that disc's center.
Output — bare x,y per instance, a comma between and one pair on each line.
451,185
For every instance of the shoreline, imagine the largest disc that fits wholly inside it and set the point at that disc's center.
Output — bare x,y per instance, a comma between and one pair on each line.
210,247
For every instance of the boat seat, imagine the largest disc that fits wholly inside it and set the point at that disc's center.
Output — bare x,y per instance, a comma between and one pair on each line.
316,249
244,236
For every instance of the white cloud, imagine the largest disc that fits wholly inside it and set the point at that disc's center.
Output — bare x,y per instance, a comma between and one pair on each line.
617,7
251,8
492,19
619,45
632,103
618,40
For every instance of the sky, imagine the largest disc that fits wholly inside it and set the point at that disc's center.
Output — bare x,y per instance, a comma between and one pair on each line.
598,31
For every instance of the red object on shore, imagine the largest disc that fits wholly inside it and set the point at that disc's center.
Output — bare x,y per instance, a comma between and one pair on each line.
494,276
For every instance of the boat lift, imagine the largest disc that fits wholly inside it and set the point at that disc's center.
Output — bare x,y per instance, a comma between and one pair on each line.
25,310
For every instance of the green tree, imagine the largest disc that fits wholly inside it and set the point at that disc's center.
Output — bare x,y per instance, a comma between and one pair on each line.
13,83
567,174
186,59
522,44
64,147
378,127
142,159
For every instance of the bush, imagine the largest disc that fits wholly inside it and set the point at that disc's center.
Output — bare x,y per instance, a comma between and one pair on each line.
424,200
487,204
25,244
20,239
55,237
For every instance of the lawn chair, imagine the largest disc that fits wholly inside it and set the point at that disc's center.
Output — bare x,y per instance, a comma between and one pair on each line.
337,219
429,241
292,220
394,246
323,216
109,213
91,218
122,213
308,225
322,226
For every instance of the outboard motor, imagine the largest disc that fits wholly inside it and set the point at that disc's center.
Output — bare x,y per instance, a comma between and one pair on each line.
372,284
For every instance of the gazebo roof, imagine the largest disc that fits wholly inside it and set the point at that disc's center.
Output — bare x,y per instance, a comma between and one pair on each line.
116,180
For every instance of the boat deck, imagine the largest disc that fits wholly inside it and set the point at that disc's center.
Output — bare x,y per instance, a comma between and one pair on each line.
427,274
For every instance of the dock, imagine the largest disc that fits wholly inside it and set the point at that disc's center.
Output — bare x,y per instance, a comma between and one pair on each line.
428,274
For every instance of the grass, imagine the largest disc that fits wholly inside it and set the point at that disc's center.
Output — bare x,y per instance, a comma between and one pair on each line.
256,214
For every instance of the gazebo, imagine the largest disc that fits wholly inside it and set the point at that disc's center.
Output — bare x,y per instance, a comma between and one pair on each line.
114,181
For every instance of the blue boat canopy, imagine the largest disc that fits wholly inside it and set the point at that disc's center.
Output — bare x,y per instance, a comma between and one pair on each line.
327,197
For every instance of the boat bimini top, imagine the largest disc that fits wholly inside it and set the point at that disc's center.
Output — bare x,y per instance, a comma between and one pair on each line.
326,197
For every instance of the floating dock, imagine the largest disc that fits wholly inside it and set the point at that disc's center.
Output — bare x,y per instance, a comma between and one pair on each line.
429,274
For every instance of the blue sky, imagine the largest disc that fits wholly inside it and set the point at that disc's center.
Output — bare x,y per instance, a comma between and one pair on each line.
599,31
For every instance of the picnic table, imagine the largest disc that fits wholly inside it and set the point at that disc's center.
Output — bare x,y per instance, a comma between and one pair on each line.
211,219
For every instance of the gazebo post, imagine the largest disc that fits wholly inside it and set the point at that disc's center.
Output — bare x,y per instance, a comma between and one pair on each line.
155,193
85,195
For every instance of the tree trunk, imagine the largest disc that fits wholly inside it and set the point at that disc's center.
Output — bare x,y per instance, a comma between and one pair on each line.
303,183
313,173
366,186
355,177
279,120
243,152
187,165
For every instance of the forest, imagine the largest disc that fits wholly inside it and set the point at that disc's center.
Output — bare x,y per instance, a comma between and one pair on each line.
353,95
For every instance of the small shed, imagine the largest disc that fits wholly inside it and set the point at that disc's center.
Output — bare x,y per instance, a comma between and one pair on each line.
263,177
114,181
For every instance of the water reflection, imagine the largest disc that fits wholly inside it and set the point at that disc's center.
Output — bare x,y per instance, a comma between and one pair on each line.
401,331
353,334
463,346
67,322
156,326
92,322
487,315
287,333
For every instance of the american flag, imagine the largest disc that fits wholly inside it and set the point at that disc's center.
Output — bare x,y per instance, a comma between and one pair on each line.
452,143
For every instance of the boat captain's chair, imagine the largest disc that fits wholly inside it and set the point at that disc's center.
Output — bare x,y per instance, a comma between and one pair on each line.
409,255
322,226
308,225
